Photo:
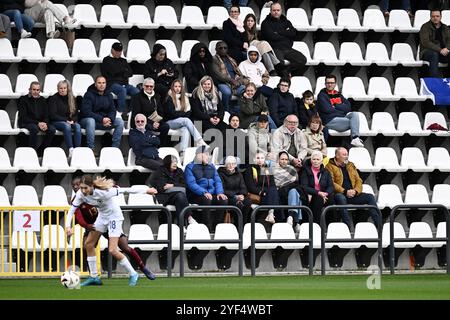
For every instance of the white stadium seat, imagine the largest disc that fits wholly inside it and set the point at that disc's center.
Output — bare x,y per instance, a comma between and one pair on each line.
351,53
322,18
348,19
6,91
54,195
23,82
86,16
399,20
55,159
138,50
5,125
339,230
5,163
25,158
376,53
51,84
408,122
389,196
56,49
165,16
439,159
84,50
324,52
380,88
299,19
383,123
30,50
192,17
374,20
112,159
416,194
7,53
412,158
386,158
83,159
25,196
139,16
216,16
111,15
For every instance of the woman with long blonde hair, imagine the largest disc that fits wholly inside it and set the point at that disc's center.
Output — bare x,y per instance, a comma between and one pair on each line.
177,111
100,192
63,113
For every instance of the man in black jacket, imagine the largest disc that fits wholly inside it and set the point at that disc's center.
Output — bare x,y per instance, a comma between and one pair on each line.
149,104
280,33
33,115
145,144
117,71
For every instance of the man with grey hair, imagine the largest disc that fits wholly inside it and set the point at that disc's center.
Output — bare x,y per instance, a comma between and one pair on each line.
145,144
348,185
33,115
148,102
291,139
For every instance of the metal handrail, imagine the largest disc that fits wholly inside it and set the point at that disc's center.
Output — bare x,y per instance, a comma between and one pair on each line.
417,206
253,240
201,207
350,206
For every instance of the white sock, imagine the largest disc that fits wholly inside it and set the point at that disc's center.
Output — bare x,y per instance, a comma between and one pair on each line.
127,265
92,262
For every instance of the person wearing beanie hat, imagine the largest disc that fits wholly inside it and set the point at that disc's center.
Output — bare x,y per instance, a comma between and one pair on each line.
204,187
116,70
161,69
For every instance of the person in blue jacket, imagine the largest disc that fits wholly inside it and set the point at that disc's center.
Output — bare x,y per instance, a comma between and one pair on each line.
99,112
204,187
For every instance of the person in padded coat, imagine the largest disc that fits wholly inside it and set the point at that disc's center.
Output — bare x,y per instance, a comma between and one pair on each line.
318,184
161,69
198,65
169,181
235,188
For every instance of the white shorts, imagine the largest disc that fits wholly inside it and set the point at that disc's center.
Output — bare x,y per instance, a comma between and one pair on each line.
114,227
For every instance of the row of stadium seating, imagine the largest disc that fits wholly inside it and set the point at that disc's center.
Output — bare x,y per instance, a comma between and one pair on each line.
389,196
139,50
192,17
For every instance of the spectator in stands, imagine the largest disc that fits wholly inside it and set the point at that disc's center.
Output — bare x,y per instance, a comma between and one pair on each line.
5,27
268,56
207,106
435,42
317,183
235,140
177,112
101,191
85,216
99,113
169,181
33,115
117,71
234,34
280,33
15,9
145,144
255,70
314,137
282,102
64,115
348,185
306,108
260,183
149,104
406,5
260,139
252,104
235,188
205,186
227,74
46,12
161,69
198,66
291,139
335,111
289,190
228,4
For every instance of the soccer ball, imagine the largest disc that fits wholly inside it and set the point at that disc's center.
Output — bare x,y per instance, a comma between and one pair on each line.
70,279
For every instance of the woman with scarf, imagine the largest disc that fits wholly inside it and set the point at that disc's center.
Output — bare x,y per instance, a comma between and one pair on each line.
260,183
177,111
207,106
289,190
161,69
234,35
318,184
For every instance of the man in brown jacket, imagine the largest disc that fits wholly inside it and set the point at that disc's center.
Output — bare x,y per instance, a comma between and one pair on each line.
435,42
348,185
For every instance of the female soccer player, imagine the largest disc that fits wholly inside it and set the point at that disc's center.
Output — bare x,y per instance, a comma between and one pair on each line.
100,192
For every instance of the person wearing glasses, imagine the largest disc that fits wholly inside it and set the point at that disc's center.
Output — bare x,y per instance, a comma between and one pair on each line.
226,73
145,144
33,115
291,139
234,35
336,112
282,102
198,66
148,103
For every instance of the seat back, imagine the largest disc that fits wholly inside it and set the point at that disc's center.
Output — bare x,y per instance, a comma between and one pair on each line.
54,196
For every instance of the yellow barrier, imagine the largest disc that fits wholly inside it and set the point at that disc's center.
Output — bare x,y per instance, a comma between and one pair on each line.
21,254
